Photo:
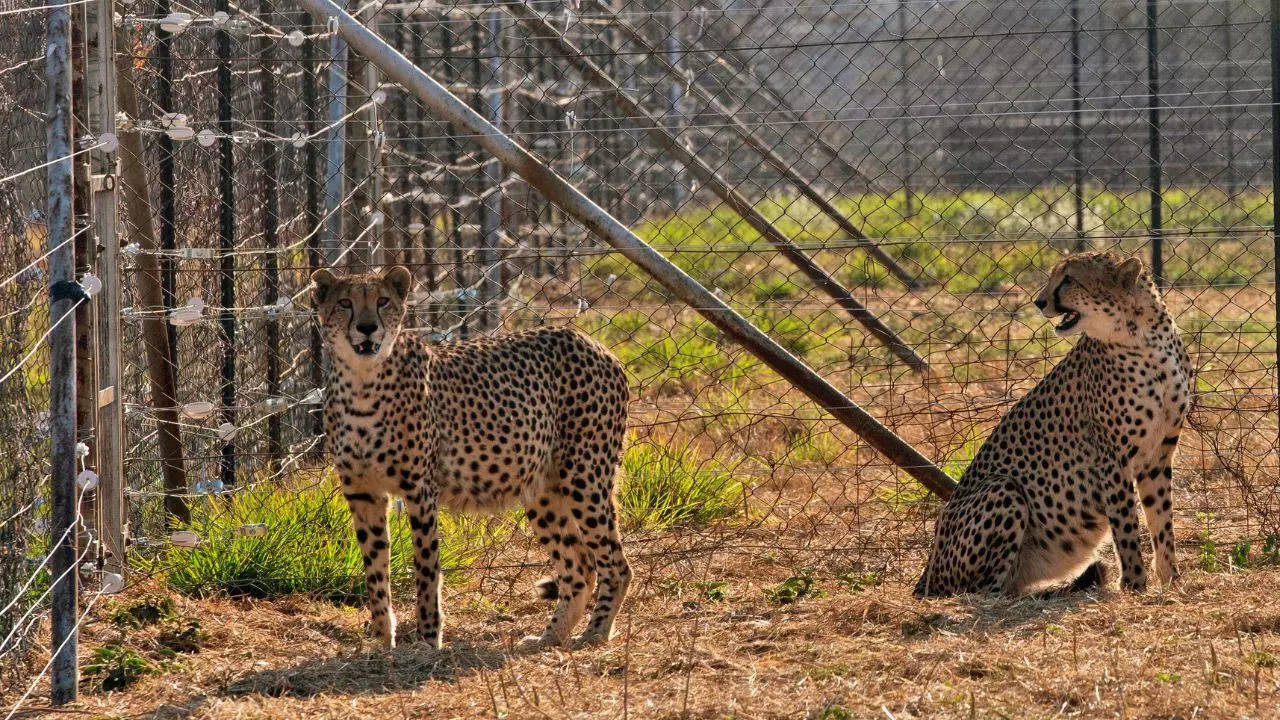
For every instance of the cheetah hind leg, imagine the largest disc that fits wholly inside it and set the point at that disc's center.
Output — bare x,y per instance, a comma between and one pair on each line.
978,541
558,532
600,528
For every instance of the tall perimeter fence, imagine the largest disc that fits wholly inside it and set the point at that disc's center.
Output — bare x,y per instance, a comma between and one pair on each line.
879,186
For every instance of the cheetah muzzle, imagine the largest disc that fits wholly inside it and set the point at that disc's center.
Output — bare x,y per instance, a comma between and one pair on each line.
1066,467
534,418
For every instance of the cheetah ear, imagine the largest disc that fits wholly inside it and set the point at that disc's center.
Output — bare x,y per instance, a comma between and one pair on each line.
400,280
1129,271
323,280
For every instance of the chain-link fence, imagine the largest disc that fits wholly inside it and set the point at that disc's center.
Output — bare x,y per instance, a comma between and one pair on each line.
880,186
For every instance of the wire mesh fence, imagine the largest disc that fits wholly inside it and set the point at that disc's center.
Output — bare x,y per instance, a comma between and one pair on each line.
880,186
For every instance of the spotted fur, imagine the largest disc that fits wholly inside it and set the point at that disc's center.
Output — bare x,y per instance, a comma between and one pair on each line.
534,418
1058,475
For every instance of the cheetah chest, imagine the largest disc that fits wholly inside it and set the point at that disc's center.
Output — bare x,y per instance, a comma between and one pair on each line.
379,443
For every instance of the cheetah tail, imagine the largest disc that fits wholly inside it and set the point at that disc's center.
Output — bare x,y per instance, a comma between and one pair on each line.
547,589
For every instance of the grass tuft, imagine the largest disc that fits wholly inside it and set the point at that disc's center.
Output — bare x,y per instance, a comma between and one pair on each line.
308,547
665,486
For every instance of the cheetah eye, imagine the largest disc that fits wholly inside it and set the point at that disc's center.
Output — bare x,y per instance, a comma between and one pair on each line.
344,303
1066,279
382,301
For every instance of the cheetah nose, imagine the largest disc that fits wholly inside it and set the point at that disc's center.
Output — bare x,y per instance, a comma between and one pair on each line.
1040,303
367,328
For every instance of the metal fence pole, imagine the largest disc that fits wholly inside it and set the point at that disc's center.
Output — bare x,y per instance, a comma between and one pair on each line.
491,205
1229,82
904,86
452,110
64,594
271,231
1275,171
1077,137
335,151
311,203
226,245
675,107
1153,144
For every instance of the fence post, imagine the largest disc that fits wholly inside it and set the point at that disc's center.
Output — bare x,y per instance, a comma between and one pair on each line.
1229,80
311,208
491,204
160,370
1077,138
226,244
675,108
63,301
335,150
110,426
904,83
271,231
737,328
1275,167
168,181
85,255
1153,144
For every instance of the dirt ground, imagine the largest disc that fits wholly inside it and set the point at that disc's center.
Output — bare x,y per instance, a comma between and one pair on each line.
1208,648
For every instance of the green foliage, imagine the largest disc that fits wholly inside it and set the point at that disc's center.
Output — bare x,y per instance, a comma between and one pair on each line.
712,590
834,712
1168,677
114,667
857,582
664,486
144,612
183,637
308,547
1264,659
793,589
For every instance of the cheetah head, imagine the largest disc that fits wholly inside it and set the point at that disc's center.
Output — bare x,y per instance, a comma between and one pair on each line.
360,315
1099,294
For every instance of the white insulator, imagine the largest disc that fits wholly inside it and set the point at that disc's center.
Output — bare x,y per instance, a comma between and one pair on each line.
175,23
206,137
296,38
87,480
91,284
112,583
180,132
415,227
252,530
169,120
198,410
109,142
226,432
185,538
298,140
220,18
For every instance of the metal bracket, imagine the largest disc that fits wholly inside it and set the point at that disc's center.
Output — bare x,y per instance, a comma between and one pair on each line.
102,183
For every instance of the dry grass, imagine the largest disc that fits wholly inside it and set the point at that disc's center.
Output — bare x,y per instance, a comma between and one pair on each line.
1207,649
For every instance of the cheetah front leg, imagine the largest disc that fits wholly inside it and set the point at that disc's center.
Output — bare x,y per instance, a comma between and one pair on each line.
369,516
1155,486
1122,516
424,520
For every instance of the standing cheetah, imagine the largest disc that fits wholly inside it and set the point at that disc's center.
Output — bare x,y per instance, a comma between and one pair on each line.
1059,471
535,418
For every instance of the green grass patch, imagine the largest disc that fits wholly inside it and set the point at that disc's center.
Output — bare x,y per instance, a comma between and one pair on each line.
664,486
308,546
793,589
114,667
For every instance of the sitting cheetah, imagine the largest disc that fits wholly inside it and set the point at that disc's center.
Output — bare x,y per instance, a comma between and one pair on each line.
535,418
1059,471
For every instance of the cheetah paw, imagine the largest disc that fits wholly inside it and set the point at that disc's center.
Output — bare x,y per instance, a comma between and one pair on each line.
537,642
590,639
